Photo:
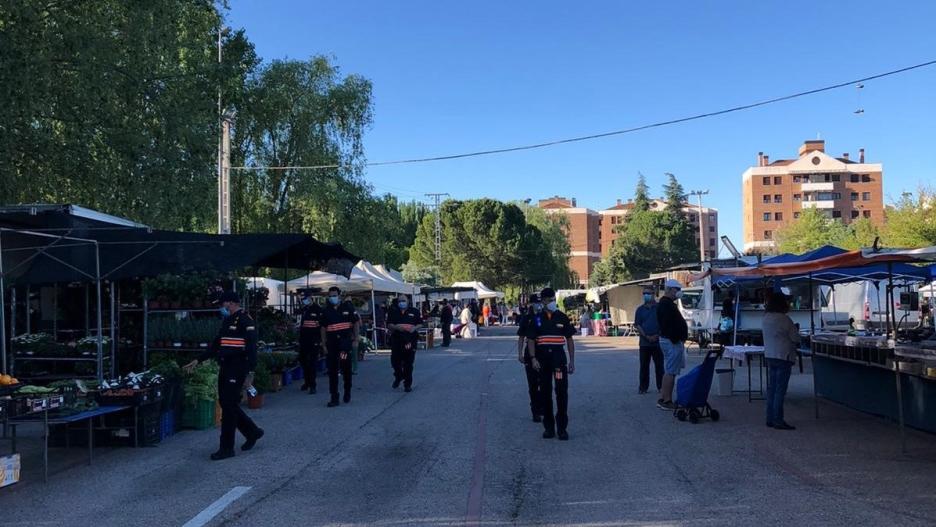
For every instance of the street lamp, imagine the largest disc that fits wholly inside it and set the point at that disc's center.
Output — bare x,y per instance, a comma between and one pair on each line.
699,194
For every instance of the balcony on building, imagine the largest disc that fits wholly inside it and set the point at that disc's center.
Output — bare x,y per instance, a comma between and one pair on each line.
820,204
817,187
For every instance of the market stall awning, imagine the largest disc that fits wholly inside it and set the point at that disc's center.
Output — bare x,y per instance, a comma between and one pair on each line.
320,281
482,290
65,243
382,279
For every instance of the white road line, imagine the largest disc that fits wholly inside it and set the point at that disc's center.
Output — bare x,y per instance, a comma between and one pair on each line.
215,508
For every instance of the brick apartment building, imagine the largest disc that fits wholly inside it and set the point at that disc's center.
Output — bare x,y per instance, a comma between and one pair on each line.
592,233
775,193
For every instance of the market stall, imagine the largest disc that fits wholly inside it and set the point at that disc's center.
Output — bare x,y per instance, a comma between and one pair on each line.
861,368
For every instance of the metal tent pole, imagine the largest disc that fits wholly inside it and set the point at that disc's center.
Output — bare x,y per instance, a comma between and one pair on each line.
13,311
113,323
737,314
100,344
28,310
374,315
812,308
3,346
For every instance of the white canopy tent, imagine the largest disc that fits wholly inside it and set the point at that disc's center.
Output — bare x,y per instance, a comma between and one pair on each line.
276,288
482,290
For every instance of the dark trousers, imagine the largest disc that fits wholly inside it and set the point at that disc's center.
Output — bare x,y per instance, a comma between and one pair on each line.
338,365
402,359
533,383
648,353
308,359
446,334
548,375
230,383
778,379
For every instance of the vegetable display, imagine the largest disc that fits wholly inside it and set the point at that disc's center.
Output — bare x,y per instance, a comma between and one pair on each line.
202,383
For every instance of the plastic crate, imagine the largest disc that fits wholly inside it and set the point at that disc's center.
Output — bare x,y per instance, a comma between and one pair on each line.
122,396
201,416
287,378
167,424
297,373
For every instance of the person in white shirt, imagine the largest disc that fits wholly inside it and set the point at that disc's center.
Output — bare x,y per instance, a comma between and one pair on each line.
781,340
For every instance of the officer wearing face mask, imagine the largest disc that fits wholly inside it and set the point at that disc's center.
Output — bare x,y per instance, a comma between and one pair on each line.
403,322
310,340
645,322
340,331
553,335
528,321
235,349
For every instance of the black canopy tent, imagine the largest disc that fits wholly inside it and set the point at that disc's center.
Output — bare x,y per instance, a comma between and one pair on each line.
46,244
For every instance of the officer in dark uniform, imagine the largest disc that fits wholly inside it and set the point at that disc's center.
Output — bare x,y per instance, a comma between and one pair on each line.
553,333
310,339
403,322
528,321
445,319
235,349
341,330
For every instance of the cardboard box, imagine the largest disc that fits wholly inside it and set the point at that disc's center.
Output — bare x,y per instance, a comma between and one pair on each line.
9,470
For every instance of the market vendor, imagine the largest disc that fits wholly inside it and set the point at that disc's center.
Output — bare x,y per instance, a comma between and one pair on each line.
310,340
340,331
403,322
235,349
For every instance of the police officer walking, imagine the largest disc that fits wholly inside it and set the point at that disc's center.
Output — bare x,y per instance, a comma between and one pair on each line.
403,322
235,349
528,320
340,330
553,334
445,319
310,340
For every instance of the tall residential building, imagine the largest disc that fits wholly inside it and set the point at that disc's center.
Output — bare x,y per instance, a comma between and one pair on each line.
775,193
592,233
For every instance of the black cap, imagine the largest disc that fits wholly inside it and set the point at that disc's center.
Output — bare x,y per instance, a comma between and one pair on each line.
229,296
548,292
443,301
335,289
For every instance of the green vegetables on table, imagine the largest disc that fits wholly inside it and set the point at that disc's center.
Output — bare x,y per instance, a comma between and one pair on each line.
202,382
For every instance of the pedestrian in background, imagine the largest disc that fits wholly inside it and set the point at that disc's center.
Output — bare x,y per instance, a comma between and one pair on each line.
525,333
781,340
645,322
445,320
585,321
310,340
673,334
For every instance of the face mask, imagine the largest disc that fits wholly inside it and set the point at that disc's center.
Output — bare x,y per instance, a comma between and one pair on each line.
225,312
678,294
648,297
334,300
537,308
306,301
404,305
552,306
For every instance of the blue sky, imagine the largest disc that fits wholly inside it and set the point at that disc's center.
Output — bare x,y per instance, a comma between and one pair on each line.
452,77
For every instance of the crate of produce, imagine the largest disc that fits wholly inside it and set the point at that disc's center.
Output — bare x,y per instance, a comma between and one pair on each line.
148,429
124,396
56,401
199,416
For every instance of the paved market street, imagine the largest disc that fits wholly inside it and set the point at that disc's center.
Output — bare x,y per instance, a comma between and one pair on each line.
461,449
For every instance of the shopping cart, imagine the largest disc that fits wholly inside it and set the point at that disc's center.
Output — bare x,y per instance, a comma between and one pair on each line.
693,389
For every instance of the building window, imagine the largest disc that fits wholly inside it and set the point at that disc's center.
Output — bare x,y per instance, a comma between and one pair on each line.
836,214
837,195
766,180
768,235
711,218
855,178
865,178
711,242
797,197
796,215
854,214
777,180
797,179
854,196
711,228
766,216
778,216
836,178
778,198
866,213
826,178
865,196
766,198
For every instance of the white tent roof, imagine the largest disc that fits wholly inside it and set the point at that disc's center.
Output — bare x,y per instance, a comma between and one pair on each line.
483,290
322,280
364,277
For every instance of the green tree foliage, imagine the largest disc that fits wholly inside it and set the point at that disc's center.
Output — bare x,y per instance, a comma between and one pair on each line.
911,222
641,194
812,230
484,240
554,228
113,105
648,241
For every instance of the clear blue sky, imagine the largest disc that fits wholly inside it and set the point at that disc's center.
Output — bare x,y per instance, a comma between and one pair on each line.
453,77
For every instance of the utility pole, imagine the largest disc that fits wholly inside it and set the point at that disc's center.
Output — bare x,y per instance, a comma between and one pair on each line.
699,194
437,205
224,183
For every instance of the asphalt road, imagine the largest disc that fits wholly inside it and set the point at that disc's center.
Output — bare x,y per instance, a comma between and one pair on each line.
461,450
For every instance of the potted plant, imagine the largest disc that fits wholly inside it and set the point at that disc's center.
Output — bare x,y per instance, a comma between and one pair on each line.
263,383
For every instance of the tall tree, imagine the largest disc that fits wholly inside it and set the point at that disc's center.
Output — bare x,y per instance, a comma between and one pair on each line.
554,229
678,233
641,194
911,221
113,105
811,230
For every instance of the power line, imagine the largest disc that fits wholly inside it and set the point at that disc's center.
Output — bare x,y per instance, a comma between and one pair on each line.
613,133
